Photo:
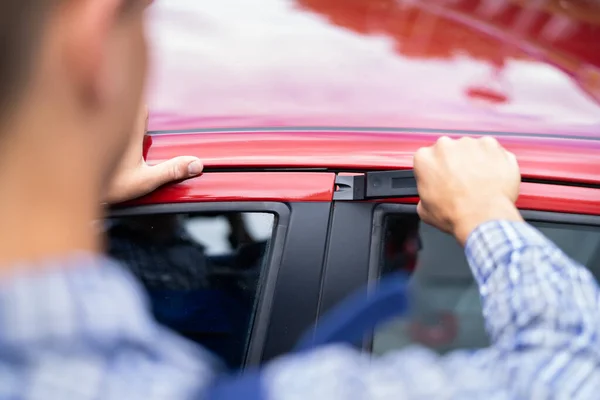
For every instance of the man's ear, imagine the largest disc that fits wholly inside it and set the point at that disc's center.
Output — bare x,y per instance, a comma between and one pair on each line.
87,30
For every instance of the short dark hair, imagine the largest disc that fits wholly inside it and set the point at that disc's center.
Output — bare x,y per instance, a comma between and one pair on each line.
21,27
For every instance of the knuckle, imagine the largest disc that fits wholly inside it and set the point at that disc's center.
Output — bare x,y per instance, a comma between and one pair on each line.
442,145
421,156
512,158
420,153
444,140
490,141
174,172
420,210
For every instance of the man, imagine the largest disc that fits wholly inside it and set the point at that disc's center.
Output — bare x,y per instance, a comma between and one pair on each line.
73,325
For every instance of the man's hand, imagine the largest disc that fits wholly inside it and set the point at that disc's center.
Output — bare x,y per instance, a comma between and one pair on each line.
463,183
135,178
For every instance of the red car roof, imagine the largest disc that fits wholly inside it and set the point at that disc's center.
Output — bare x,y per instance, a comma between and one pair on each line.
477,65
240,165
540,157
353,85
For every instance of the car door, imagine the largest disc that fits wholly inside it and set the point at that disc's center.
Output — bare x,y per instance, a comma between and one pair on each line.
231,260
371,238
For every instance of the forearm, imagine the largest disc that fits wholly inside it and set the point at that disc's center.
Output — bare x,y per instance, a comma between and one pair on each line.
533,295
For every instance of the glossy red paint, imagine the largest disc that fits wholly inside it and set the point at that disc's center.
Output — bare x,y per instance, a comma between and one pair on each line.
559,199
575,200
317,186
543,158
246,186
464,64
418,68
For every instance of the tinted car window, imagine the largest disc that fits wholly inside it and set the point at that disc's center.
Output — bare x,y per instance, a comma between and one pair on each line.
447,313
201,271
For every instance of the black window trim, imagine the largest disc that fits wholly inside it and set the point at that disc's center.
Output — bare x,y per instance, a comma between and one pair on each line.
264,304
384,209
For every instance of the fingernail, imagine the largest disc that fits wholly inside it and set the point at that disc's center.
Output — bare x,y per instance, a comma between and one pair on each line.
195,168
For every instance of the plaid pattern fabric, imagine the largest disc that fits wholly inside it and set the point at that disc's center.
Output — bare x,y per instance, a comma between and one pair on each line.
80,329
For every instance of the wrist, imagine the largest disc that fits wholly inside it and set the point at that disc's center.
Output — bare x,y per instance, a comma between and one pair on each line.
472,216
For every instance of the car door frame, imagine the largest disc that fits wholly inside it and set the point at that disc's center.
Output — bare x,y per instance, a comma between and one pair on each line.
352,259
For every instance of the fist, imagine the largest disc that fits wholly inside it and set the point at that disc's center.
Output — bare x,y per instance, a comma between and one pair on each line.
463,183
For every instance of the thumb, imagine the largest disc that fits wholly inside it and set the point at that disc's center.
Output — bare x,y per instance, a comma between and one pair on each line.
175,169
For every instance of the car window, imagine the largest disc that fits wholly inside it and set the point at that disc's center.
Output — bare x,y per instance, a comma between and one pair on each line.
202,272
447,312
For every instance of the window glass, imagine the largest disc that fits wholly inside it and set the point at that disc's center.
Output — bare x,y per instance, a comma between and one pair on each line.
447,312
201,272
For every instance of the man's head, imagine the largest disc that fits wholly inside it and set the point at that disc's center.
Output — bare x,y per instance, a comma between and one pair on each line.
71,79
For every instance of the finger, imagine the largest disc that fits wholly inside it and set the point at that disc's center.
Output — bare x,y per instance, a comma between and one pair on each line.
512,161
490,141
172,170
420,158
421,211
426,217
141,123
512,158
444,140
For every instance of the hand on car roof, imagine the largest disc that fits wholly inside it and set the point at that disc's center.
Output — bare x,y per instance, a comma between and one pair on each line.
463,183
135,178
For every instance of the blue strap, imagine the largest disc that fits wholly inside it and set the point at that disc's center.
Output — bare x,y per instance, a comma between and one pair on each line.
247,386
359,314
202,310
348,322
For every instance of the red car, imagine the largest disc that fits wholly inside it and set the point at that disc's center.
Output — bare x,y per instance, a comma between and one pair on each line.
307,114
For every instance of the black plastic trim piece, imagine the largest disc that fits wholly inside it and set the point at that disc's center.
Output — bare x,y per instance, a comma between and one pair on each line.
213,206
377,231
296,297
348,252
264,302
396,184
561,218
244,169
382,184
376,185
349,187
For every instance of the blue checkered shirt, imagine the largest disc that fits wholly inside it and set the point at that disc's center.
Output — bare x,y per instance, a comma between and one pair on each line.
80,328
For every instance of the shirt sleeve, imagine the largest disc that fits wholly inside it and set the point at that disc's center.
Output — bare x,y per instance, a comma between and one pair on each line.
541,311
80,329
